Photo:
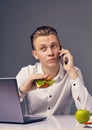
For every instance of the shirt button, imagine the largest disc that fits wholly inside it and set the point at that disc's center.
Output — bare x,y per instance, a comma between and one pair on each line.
50,96
74,84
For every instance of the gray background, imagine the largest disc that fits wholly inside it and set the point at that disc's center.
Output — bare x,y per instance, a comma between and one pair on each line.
19,18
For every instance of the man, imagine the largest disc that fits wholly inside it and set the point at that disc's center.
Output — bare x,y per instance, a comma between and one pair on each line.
56,62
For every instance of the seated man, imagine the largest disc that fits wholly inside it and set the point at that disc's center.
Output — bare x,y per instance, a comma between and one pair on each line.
56,62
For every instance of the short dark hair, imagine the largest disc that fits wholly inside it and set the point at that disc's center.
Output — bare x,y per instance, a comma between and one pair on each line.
42,31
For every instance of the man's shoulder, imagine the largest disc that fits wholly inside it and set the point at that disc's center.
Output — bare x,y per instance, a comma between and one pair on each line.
28,67
31,68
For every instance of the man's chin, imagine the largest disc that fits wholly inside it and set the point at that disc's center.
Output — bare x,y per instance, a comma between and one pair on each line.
52,65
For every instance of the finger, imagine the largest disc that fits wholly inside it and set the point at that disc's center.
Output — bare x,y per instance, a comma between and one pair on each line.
63,52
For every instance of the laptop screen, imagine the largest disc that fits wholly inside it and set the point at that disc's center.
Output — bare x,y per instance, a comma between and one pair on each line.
10,108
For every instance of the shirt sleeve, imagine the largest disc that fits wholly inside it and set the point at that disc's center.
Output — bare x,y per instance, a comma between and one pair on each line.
81,96
21,78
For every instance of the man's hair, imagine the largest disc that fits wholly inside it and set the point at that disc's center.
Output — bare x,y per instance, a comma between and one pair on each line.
42,31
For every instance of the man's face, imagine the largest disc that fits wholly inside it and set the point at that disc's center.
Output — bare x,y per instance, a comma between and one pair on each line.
47,50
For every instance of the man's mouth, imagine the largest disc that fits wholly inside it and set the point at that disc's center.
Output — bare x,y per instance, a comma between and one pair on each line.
52,60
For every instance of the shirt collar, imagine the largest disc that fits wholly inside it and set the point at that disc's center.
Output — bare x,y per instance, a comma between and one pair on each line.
39,68
58,77
60,74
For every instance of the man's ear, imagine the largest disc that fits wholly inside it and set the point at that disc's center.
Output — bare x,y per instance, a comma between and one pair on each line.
35,54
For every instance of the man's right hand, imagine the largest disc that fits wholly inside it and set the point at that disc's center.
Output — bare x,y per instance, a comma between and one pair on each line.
30,83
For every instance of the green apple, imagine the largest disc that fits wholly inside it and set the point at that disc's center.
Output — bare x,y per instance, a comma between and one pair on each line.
82,115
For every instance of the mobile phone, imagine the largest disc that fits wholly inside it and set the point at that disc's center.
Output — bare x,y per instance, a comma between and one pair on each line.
66,60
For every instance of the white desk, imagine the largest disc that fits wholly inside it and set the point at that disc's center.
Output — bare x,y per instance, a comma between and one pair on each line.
51,123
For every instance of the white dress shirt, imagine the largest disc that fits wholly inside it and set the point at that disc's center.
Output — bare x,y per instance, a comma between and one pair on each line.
58,98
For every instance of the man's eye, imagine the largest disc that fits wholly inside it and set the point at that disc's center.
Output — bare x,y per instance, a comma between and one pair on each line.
54,46
43,48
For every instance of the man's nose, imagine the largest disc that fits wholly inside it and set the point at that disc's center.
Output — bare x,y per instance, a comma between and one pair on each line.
50,52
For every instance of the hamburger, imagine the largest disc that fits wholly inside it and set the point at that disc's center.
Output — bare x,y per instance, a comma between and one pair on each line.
44,83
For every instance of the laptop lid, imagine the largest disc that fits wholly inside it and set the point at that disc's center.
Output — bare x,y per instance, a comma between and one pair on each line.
10,107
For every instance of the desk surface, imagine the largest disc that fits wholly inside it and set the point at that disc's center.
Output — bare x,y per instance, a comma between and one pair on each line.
57,122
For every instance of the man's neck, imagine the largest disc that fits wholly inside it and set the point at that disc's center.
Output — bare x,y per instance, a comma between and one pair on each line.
51,71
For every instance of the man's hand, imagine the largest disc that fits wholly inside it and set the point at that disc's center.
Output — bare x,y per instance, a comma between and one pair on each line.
30,83
69,66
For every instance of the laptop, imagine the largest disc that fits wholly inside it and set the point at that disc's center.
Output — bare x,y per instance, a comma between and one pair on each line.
10,107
